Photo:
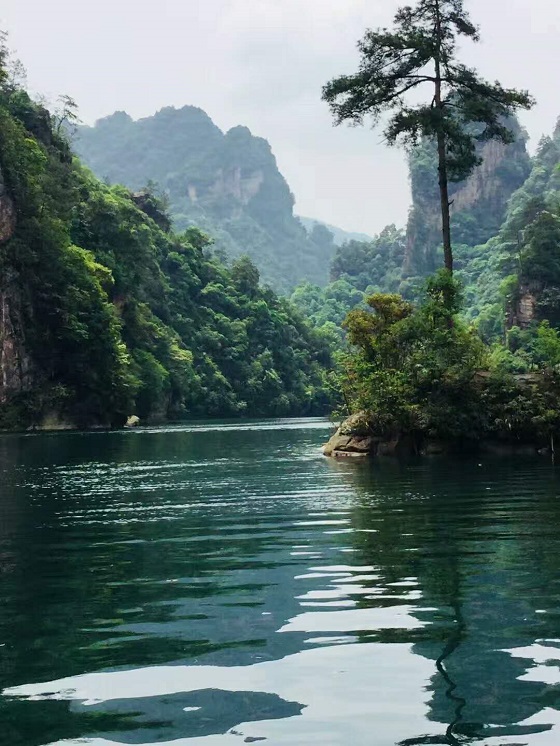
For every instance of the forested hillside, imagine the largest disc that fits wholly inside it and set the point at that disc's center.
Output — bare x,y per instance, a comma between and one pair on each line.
514,278
113,303
227,184
106,312
504,222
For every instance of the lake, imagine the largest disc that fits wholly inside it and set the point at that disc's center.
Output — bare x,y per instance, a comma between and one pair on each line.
216,584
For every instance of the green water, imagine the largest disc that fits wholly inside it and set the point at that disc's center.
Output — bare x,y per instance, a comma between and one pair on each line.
226,584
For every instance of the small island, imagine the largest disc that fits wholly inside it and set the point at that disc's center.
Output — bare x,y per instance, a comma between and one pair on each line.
422,380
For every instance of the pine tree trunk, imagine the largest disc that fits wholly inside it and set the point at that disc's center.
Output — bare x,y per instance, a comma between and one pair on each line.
444,199
442,151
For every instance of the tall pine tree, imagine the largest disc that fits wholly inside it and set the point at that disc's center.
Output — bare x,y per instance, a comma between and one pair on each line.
420,52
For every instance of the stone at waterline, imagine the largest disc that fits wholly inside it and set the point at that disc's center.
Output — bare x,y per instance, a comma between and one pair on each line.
353,439
343,446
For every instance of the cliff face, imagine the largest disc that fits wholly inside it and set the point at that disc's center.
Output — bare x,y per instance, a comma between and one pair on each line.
230,183
527,248
523,310
485,183
15,366
225,183
7,212
478,204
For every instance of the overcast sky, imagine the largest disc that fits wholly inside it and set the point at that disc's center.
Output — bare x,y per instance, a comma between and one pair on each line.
262,63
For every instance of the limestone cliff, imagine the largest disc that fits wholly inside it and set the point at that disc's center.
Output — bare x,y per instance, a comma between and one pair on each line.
7,213
527,247
15,365
225,183
478,204
522,310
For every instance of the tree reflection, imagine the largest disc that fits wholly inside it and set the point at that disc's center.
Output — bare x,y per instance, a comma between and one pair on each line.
482,543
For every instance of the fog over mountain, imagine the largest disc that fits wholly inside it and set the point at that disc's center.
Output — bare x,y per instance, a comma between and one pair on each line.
262,64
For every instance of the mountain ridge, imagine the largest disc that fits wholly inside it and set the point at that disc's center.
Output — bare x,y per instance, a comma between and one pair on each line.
226,183
340,235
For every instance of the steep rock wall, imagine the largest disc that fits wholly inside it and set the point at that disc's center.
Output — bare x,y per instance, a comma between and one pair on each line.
7,213
15,365
478,204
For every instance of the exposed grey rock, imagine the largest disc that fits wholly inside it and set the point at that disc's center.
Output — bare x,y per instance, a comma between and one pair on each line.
353,438
7,213
15,363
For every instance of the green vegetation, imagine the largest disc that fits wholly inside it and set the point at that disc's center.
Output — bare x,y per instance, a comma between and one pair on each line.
225,184
358,269
479,204
513,278
424,373
480,358
107,312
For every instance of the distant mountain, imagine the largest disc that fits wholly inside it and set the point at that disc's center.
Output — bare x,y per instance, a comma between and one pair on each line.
340,236
228,184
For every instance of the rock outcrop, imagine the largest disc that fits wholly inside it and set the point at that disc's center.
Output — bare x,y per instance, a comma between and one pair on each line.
522,311
15,364
478,204
355,438
344,446
7,213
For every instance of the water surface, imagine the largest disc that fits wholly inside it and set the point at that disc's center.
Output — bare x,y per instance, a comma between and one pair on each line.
226,584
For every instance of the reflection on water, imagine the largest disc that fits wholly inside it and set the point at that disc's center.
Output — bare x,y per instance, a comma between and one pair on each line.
217,584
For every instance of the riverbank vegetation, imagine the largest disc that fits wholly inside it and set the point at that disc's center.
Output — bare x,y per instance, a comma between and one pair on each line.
423,373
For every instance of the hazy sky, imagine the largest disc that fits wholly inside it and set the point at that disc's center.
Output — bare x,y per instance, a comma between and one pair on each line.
262,63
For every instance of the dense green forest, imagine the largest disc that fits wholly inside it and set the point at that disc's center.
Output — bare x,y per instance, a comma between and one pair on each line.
464,359
107,312
398,260
227,184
